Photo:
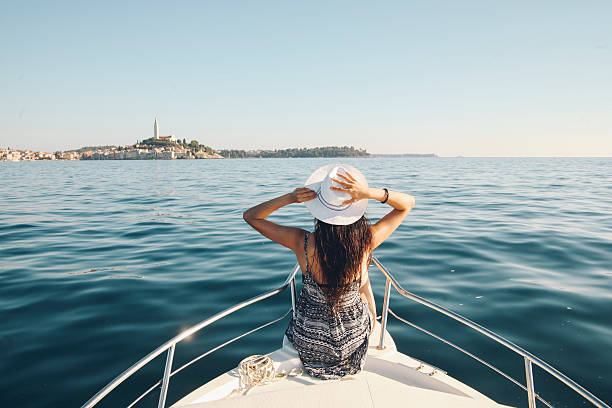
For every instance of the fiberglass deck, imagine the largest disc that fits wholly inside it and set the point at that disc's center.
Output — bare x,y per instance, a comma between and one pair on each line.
389,378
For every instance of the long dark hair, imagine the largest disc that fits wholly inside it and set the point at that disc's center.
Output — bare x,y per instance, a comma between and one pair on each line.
339,253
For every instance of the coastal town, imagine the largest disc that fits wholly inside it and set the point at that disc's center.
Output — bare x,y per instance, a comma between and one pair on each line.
131,152
155,148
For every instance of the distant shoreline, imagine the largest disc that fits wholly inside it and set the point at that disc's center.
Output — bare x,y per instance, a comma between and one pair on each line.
371,156
153,156
154,149
403,155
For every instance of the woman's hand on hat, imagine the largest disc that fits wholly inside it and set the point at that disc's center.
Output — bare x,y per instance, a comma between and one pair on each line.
302,194
351,186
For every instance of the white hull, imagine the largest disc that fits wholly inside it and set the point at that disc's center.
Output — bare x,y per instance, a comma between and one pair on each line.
388,379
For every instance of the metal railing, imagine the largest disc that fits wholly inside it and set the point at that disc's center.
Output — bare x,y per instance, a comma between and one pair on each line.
170,345
529,358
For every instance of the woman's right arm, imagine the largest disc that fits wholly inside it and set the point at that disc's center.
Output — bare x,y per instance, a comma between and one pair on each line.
401,203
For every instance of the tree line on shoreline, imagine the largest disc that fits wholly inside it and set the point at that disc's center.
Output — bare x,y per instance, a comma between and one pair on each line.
328,151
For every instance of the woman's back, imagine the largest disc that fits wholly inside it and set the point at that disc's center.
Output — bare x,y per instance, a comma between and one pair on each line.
331,339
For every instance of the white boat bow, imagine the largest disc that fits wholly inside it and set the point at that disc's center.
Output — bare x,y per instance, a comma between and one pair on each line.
388,379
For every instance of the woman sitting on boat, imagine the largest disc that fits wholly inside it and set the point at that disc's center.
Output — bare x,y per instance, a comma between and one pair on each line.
335,311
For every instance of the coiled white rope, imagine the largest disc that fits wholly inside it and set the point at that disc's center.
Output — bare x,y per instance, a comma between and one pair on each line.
259,370
254,370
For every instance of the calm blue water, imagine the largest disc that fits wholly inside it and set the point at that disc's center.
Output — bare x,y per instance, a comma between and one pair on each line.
100,262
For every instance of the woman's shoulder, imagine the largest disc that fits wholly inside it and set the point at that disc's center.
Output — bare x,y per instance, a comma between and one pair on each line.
300,236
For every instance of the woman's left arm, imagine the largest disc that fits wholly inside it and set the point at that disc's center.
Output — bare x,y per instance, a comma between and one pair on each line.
292,238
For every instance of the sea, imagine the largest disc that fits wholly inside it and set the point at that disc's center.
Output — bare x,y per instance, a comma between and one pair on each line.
103,261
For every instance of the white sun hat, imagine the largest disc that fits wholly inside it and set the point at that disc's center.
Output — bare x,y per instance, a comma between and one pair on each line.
328,207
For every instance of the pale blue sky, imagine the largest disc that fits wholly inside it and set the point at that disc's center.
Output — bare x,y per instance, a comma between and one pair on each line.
472,78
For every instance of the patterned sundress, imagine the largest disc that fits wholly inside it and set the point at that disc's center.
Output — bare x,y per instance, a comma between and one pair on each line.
330,345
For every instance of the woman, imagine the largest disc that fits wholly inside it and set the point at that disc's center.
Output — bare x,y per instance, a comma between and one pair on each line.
335,311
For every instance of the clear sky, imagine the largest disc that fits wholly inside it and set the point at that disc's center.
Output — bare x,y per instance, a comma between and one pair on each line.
472,78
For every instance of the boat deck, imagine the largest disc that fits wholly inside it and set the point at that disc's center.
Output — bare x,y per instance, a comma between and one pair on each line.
388,378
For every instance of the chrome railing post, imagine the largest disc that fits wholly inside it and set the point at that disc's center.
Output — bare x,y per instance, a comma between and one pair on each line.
166,378
530,387
385,313
293,294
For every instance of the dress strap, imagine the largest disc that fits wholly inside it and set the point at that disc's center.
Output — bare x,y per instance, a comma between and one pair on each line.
306,251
